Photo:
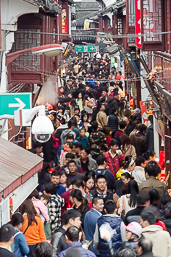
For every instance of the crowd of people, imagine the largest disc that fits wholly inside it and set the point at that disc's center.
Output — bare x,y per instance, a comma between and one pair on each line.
99,191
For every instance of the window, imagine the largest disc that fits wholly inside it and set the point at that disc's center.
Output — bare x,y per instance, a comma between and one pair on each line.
119,26
131,13
152,20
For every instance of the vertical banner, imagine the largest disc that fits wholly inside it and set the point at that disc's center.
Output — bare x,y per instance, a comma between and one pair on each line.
138,22
145,112
64,21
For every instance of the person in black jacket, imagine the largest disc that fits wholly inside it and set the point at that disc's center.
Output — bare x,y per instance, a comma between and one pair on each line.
70,217
113,120
129,127
167,217
101,170
149,137
143,200
80,203
101,189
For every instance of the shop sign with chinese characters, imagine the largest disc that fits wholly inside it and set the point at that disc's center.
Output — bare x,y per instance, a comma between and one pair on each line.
145,112
64,21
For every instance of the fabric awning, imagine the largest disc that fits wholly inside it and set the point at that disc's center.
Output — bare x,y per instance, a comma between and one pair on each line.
17,165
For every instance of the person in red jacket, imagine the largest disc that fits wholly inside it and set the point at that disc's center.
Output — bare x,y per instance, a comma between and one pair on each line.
114,156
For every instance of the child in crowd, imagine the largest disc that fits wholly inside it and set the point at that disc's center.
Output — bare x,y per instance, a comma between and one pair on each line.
45,200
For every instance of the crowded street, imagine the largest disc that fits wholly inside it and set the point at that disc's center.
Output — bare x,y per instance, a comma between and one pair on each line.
85,138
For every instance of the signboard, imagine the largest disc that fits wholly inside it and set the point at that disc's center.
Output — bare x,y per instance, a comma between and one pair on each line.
85,49
10,102
145,112
160,128
86,24
138,22
64,21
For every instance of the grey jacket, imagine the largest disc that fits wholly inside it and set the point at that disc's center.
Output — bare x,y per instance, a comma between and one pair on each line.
64,135
58,241
92,165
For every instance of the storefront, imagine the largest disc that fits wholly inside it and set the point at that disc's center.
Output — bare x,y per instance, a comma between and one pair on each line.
18,177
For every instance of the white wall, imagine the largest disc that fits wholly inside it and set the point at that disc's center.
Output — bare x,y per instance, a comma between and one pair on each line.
10,11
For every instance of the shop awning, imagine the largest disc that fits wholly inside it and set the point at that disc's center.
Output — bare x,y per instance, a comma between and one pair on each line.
17,165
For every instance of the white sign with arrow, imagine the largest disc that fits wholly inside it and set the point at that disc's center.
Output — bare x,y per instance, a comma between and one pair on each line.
20,104
10,102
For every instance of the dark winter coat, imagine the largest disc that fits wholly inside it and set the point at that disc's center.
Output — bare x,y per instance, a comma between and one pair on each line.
108,196
78,245
113,122
149,139
131,244
168,225
115,223
138,143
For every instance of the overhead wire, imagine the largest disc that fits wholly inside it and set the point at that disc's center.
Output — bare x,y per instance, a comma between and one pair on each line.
98,35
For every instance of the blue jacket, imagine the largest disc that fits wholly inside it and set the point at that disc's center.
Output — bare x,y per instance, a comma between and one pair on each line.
59,189
115,223
19,246
90,221
83,141
78,245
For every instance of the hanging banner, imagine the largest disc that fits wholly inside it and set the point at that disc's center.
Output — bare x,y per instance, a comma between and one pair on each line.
64,21
138,22
145,112
86,25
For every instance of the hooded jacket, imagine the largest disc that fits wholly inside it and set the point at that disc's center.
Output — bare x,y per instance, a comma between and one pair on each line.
115,223
160,239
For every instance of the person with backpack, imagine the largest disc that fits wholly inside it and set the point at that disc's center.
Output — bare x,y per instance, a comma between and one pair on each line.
102,170
19,246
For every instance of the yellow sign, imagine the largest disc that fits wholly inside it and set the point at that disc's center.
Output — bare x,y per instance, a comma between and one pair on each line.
86,25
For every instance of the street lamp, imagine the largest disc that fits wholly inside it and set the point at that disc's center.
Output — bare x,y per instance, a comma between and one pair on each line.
42,126
49,50
156,113
147,104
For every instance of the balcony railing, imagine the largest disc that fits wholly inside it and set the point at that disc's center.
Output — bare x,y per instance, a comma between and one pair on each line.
79,36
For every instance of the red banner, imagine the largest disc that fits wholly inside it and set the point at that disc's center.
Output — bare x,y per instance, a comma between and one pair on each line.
145,112
138,22
64,21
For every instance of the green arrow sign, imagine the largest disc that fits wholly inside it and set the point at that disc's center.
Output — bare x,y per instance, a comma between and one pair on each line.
10,102
85,49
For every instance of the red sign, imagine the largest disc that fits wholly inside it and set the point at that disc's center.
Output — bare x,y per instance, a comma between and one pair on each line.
145,112
64,21
138,22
